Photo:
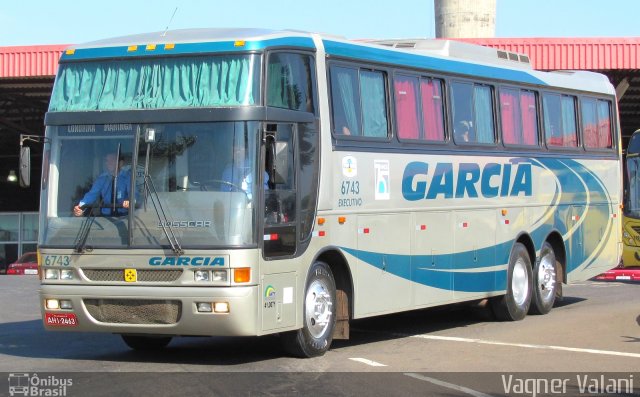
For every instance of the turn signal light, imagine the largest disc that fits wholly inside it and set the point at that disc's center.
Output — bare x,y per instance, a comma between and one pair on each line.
242,275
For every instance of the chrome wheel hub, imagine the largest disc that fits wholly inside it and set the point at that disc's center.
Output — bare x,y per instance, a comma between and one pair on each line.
318,306
520,282
547,278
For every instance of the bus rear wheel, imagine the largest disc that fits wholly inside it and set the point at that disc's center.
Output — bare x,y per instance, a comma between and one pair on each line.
319,315
514,305
142,342
544,281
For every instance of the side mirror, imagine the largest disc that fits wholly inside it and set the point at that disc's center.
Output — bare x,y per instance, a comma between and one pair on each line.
24,178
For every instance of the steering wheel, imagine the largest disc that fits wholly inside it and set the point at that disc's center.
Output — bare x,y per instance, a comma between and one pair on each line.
220,182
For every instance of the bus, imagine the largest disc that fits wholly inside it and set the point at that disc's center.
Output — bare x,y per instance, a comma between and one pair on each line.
631,213
374,177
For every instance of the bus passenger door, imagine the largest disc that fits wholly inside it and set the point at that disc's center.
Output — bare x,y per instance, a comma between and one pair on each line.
280,219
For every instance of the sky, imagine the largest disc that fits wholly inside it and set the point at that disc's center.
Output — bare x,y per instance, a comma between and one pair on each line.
31,22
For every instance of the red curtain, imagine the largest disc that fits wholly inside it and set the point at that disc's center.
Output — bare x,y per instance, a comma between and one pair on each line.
406,109
508,113
529,118
432,109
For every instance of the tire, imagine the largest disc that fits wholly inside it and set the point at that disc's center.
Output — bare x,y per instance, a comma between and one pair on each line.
514,305
319,315
139,342
544,281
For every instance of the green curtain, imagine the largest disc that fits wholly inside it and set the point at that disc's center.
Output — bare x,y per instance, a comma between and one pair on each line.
373,104
483,114
156,83
348,97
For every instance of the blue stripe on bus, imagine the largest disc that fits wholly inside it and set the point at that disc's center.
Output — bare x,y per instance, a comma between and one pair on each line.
427,62
468,274
186,48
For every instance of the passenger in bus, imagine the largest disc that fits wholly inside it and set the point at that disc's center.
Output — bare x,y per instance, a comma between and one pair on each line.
239,174
101,192
462,131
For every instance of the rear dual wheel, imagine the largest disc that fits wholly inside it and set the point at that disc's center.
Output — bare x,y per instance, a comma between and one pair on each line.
544,281
514,305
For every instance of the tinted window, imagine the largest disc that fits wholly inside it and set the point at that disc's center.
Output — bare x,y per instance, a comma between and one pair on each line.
359,102
559,113
596,123
518,116
472,109
289,82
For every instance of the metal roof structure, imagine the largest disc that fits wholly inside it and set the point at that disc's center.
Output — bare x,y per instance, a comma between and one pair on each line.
27,74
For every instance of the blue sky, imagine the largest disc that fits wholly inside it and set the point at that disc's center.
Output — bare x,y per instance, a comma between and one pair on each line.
29,22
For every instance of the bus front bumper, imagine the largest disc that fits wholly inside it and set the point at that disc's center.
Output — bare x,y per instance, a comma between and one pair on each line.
150,310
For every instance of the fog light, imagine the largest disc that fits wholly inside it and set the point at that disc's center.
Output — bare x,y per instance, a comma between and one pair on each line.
219,275
66,304
204,307
52,274
66,274
221,307
52,304
201,275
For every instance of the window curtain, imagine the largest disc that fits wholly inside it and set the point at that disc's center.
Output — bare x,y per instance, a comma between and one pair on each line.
569,138
604,125
589,123
432,110
529,118
508,115
348,101
483,114
156,83
406,106
374,107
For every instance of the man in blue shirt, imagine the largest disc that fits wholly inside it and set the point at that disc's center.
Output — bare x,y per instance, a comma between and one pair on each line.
104,186
239,173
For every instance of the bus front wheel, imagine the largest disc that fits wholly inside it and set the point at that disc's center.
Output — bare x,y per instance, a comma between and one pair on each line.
544,281
514,305
319,315
140,342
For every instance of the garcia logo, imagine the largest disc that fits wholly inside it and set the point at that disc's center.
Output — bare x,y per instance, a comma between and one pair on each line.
186,261
34,385
492,180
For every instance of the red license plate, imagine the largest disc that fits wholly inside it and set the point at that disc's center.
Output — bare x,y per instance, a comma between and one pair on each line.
61,319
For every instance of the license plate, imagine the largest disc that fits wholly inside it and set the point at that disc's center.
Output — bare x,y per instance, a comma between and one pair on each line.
30,271
623,277
61,319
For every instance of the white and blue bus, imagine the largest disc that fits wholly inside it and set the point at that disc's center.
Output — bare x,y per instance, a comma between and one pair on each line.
288,182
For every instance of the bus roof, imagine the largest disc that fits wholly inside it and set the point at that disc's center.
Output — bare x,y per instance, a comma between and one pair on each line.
431,54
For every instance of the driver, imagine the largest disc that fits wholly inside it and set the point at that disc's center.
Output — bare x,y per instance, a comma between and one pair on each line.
104,186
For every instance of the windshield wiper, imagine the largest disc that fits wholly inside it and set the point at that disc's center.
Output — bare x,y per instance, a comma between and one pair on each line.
162,216
83,233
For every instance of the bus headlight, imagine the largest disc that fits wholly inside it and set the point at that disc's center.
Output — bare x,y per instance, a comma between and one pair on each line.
219,275
66,274
201,275
51,274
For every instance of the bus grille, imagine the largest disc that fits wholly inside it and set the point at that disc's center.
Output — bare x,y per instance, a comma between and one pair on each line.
134,311
154,276
636,229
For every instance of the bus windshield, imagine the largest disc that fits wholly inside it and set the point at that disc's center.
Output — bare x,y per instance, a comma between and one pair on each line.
632,204
130,185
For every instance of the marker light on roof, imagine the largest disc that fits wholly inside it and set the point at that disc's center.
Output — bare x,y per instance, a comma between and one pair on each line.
239,43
